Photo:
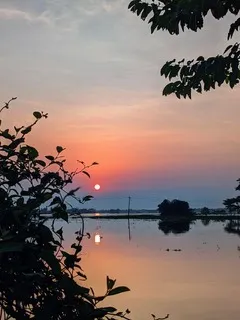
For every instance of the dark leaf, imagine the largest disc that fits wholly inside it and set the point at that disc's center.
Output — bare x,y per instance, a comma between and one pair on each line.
71,287
227,49
16,143
17,129
51,158
118,290
59,149
110,283
26,130
60,233
73,191
82,275
32,152
56,200
45,233
49,257
234,27
5,134
101,312
40,162
87,198
37,115
86,173
59,213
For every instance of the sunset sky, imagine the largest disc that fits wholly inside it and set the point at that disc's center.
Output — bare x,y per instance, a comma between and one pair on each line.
94,67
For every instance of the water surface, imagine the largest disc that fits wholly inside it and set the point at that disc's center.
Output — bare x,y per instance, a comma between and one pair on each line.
198,281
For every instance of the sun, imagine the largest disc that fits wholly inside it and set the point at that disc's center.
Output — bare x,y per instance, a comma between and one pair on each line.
97,187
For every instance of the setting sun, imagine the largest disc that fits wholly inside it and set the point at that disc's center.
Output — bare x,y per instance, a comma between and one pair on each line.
97,187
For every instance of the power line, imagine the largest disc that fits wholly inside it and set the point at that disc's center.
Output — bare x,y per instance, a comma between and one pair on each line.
124,198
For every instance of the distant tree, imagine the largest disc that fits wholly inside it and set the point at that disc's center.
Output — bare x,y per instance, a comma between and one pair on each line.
164,206
205,211
233,204
175,209
202,74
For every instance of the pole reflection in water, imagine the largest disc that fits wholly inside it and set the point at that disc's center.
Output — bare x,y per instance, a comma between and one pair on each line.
129,227
97,237
129,230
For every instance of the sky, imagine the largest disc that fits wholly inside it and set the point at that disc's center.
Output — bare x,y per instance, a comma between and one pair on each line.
94,67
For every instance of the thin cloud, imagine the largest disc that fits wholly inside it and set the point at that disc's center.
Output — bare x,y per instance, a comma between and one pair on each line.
65,15
15,14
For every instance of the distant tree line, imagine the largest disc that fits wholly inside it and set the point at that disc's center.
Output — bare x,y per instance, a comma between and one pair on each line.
112,211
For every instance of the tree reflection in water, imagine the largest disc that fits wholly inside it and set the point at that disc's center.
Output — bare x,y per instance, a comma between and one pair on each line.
168,226
174,226
233,226
205,221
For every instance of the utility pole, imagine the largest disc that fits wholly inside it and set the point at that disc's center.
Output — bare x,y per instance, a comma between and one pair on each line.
129,202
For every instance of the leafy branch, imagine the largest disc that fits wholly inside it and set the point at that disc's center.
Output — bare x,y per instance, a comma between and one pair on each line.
38,279
202,74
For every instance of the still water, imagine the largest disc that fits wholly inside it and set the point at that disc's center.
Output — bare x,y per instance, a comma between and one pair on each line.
194,275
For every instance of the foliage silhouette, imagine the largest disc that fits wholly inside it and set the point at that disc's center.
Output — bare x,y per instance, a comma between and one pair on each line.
205,211
174,210
202,74
233,204
38,279
233,207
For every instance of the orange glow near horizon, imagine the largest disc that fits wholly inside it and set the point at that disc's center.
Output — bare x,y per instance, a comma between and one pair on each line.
139,148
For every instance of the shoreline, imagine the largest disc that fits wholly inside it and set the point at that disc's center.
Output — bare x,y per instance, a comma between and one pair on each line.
154,217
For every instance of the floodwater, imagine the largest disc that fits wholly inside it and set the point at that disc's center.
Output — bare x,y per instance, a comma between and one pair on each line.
193,275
